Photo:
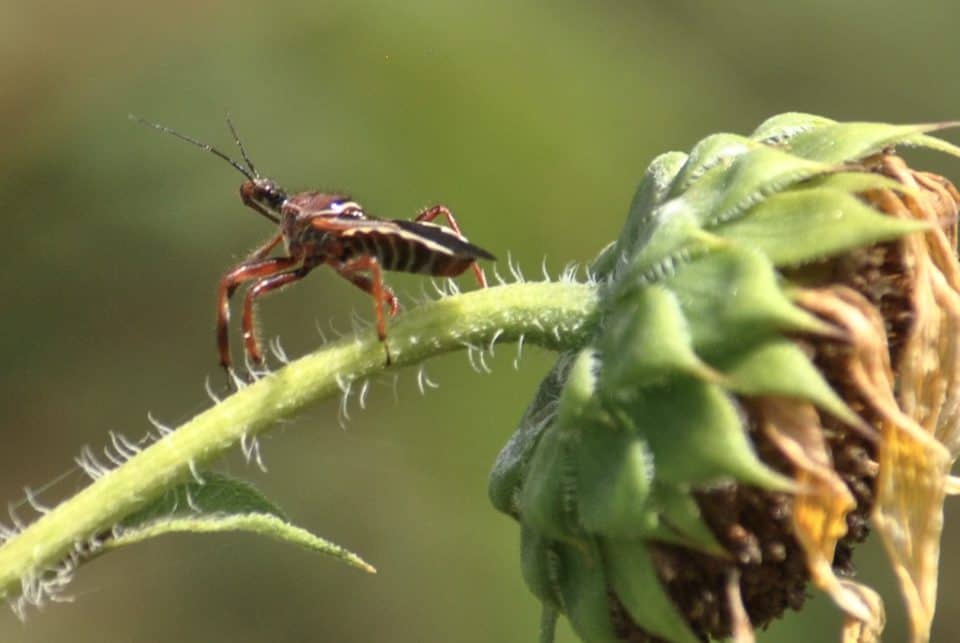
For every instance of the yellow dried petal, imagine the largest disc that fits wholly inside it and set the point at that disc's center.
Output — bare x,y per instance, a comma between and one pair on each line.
909,515
921,427
913,465
822,501
869,631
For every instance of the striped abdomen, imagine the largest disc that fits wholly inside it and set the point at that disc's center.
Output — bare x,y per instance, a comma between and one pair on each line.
411,246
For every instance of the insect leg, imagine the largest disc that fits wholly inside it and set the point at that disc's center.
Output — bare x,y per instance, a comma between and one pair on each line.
373,284
365,283
432,213
262,287
247,271
265,249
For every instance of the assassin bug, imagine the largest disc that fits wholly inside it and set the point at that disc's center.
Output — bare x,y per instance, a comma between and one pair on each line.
320,228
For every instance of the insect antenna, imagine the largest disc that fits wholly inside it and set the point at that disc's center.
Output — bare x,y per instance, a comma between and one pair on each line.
243,150
250,174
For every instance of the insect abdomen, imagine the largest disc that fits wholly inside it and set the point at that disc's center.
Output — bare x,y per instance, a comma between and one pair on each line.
401,254
416,247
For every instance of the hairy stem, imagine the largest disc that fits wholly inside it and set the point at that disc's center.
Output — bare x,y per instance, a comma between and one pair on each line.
552,315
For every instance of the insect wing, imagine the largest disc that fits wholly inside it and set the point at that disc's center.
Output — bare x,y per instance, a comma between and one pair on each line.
447,240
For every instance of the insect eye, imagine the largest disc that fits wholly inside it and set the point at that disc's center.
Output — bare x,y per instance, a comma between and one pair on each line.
271,194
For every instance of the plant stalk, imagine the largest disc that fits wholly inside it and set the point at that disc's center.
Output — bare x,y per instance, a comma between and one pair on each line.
551,315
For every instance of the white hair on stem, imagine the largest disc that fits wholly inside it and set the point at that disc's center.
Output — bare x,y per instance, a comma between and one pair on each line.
396,387
34,503
250,447
362,398
90,465
192,503
162,429
515,270
516,360
321,332
196,473
493,340
277,349
343,413
209,389
424,381
238,382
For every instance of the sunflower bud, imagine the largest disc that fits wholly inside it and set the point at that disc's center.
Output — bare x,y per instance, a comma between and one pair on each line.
778,368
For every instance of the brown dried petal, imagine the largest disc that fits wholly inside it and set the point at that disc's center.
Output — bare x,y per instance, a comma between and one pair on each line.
912,475
918,450
900,310
822,501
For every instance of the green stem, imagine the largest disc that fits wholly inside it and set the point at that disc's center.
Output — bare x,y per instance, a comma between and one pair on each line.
552,315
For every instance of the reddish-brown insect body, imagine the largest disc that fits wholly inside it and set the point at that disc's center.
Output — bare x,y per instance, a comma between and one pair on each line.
319,228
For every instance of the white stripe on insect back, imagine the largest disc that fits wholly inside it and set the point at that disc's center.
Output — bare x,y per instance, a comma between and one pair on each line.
430,244
389,230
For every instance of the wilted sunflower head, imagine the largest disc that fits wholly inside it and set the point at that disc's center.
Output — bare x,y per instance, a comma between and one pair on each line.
777,369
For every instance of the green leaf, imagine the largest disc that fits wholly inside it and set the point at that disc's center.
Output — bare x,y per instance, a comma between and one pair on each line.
579,388
780,367
781,127
842,142
696,435
724,193
680,521
263,524
548,624
712,151
220,504
641,222
856,182
647,339
548,494
732,297
635,582
678,237
538,563
511,464
934,143
604,263
614,471
807,225
217,494
583,588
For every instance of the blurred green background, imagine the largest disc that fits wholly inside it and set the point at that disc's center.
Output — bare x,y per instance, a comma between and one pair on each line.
532,120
